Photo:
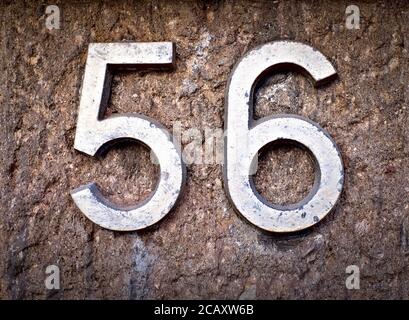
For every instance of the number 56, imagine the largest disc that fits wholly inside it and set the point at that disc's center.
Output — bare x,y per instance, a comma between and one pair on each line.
244,138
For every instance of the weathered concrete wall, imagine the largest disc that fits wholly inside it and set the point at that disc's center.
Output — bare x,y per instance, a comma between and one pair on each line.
203,249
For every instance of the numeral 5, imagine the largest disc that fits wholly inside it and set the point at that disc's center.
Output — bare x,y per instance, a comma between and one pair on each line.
95,133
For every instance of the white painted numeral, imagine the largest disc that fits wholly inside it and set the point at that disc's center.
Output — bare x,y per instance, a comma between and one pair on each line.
95,133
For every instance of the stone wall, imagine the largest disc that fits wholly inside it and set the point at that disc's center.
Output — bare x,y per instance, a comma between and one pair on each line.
203,248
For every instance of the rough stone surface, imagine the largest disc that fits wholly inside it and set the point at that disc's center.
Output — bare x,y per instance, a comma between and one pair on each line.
203,249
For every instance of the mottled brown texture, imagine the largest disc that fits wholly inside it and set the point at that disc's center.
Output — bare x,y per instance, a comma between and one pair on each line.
203,248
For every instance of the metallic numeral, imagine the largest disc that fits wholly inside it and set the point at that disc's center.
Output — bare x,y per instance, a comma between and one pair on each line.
95,133
245,137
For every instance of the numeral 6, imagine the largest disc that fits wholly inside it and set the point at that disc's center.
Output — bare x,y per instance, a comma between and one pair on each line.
245,137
